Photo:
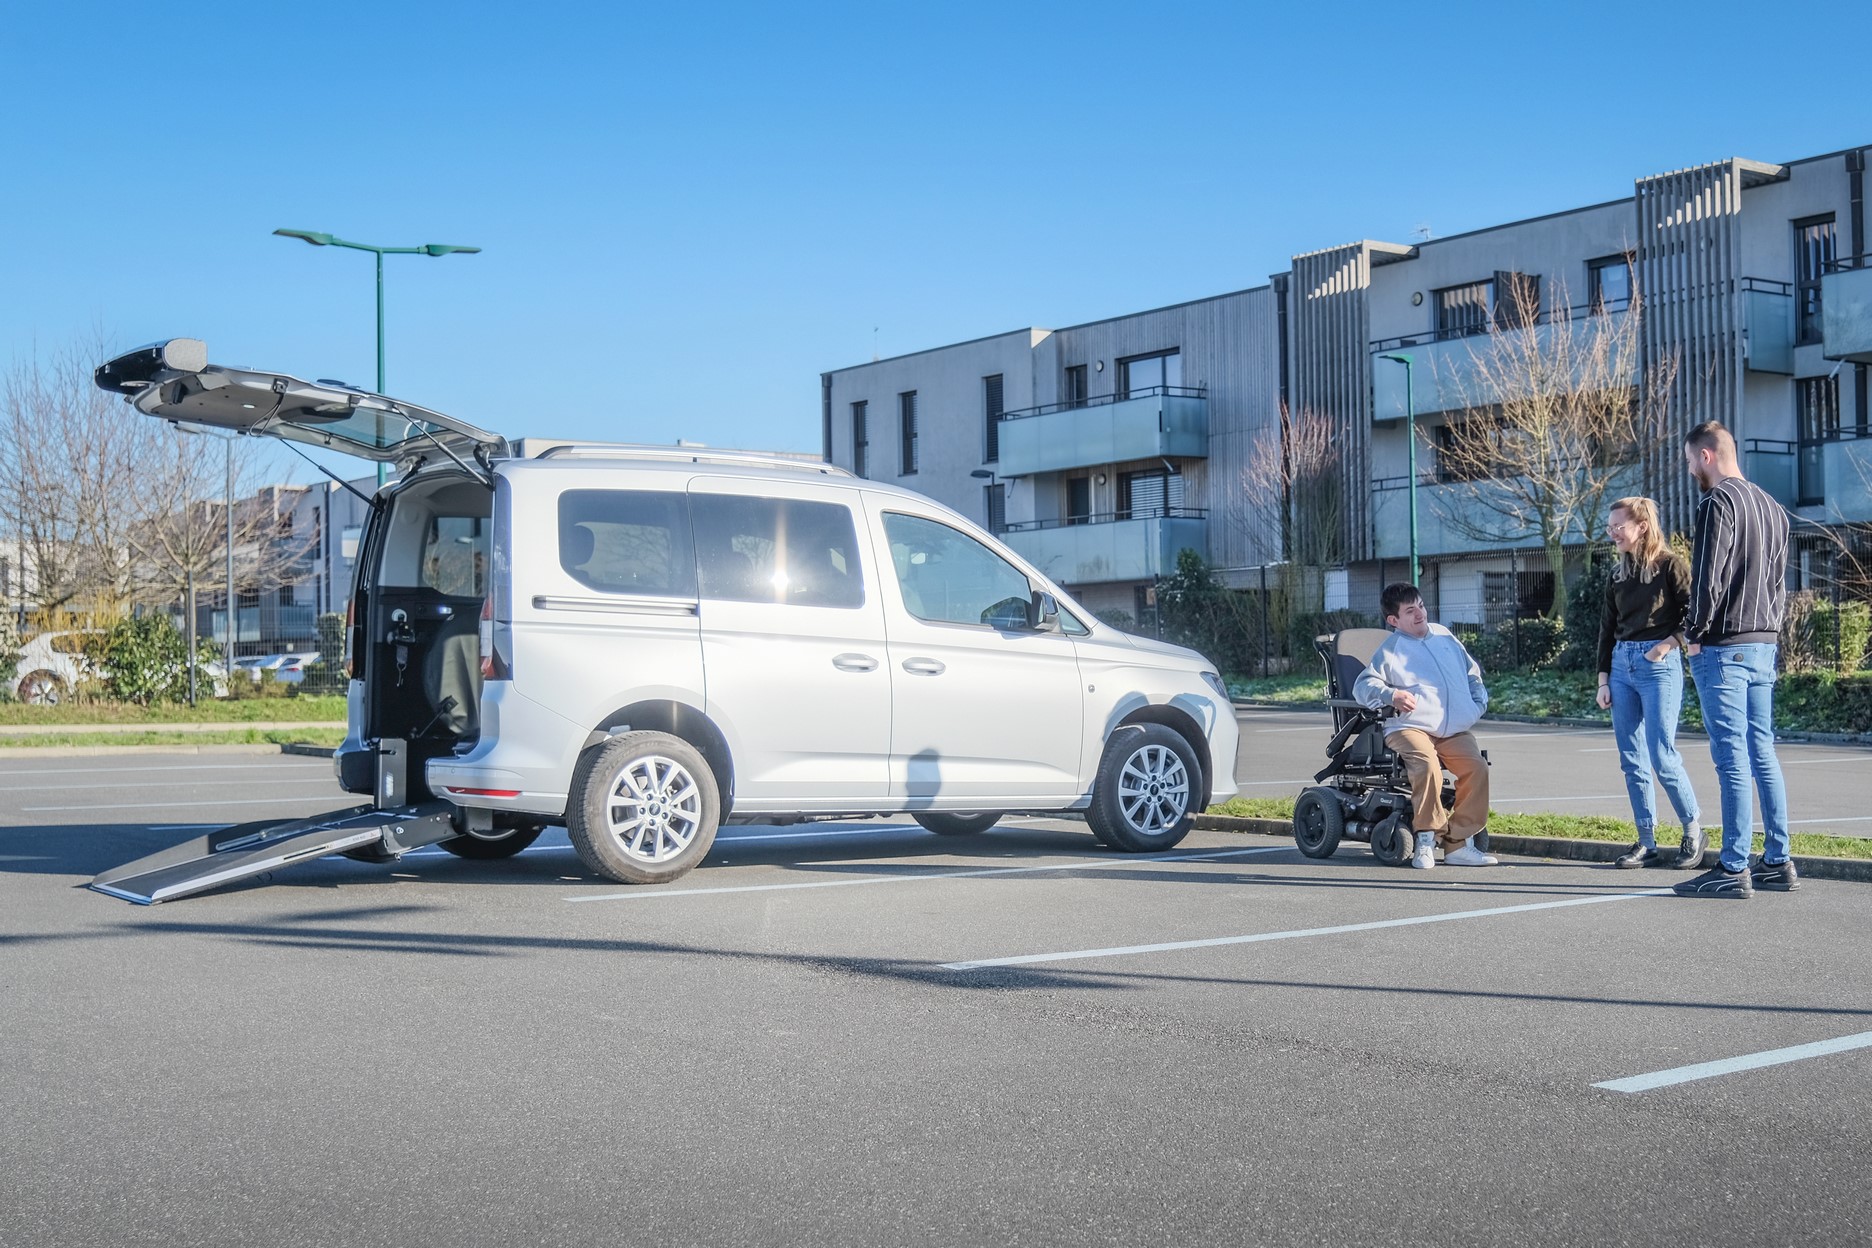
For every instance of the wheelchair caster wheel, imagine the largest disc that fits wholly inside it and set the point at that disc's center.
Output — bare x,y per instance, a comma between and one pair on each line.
1393,845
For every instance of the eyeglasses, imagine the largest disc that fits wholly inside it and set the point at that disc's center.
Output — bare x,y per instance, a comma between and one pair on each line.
1619,527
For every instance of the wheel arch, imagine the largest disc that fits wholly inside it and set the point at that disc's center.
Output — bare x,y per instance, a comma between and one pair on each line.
681,720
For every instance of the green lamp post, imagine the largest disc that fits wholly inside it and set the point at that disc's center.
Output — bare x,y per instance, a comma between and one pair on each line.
1410,424
427,249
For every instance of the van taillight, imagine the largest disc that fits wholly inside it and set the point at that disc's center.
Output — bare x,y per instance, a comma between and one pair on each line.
350,639
492,668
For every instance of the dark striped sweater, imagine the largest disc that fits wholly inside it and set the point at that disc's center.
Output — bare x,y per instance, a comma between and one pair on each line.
1738,569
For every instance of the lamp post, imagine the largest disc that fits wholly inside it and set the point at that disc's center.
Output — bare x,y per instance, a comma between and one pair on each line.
427,249
1410,424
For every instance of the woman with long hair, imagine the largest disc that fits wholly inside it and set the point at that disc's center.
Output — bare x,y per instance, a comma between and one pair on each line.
1641,676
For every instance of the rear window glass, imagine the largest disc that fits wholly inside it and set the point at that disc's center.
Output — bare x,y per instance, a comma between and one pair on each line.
627,542
777,550
455,554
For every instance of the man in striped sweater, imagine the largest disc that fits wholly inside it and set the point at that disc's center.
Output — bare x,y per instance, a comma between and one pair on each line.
1738,598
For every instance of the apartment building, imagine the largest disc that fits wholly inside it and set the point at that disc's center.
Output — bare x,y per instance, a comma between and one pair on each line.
1098,451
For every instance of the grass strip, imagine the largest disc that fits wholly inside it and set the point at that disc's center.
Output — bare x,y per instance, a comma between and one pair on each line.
1573,828
156,736
309,709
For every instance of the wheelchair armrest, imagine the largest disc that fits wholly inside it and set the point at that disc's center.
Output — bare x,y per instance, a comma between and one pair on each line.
1352,704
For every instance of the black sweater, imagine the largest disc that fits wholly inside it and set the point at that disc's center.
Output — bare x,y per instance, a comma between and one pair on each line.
1738,581
1650,610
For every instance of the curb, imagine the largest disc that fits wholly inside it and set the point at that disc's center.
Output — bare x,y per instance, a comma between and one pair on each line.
1857,870
1571,721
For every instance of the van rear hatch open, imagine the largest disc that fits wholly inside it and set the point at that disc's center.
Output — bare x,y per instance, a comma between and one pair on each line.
174,381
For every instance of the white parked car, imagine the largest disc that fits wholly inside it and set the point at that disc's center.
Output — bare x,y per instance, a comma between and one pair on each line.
646,642
50,666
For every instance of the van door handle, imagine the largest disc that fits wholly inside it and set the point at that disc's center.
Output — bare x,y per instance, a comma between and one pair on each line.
850,662
923,667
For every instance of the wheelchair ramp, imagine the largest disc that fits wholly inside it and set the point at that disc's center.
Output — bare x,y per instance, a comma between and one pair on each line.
251,849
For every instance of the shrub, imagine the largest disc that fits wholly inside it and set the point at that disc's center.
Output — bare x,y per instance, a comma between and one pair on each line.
327,675
9,653
1839,634
1584,608
1196,610
1306,625
146,660
1114,616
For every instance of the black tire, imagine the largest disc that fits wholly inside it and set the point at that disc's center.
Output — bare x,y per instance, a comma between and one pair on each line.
1319,822
944,824
1393,842
644,808
1146,791
505,844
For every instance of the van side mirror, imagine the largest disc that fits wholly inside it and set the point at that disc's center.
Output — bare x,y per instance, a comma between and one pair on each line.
1043,613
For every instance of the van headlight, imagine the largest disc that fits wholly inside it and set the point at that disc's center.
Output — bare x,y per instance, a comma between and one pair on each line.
1215,682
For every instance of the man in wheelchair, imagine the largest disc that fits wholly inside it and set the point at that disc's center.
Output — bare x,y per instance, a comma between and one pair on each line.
1423,673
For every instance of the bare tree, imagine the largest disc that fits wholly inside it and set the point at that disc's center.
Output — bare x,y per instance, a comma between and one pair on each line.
1293,492
1551,409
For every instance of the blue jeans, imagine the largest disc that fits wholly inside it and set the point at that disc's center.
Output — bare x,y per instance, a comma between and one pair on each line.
1735,684
1646,699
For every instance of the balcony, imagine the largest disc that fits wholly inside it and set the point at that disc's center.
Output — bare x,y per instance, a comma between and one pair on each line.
1107,547
1768,322
1443,369
1448,511
1832,473
1846,310
1158,422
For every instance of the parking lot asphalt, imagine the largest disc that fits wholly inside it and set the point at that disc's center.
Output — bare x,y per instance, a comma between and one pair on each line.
1539,768
865,1034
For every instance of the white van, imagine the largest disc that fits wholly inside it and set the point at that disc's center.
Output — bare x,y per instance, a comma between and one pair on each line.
646,642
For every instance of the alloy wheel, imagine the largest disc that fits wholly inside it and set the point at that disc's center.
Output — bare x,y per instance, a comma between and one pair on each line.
654,810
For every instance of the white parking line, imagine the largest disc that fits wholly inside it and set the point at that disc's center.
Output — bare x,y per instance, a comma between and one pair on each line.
1078,864
1843,758
1029,959
267,761
1842,819
246,801
1562,797
1729,1065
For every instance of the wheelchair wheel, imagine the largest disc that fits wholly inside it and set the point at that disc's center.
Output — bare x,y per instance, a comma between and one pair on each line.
1319,822
1393,842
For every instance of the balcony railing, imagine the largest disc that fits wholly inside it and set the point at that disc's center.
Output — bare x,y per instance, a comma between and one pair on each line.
1846,310
1150,422
1136,392
1547,317
1108,547
1110,517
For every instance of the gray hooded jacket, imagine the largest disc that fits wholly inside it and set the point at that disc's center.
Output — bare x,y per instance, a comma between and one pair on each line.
1437,671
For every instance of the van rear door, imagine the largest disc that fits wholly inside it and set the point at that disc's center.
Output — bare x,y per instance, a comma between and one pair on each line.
174,381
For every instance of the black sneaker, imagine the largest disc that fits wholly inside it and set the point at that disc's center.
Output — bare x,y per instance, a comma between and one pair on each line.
1718,883
1639,855
1781,877
1690,853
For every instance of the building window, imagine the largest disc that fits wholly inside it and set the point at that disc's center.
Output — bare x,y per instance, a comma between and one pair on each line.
1816,245
994,503
1074,393
1524,595
907,432
1149,374
861,440
1145,495
1817,416
1078,500
1608,283
1464,310
991,418
285,595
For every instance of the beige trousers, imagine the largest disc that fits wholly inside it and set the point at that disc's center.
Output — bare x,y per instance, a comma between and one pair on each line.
1425,757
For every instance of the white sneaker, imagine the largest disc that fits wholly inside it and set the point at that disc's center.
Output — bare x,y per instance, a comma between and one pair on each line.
1470,856
1425,857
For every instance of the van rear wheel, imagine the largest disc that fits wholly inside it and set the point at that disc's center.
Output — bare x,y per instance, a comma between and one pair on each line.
506,844
1148,784
944,824
644,808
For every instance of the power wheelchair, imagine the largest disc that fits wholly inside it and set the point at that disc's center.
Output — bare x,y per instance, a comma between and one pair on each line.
1363,793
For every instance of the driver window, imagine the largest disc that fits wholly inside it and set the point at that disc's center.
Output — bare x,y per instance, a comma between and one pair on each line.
948,577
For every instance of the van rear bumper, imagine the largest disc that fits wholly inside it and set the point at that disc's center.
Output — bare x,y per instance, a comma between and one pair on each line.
522,761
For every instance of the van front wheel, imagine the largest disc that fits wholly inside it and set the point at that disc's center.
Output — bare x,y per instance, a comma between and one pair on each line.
1145,795
644,808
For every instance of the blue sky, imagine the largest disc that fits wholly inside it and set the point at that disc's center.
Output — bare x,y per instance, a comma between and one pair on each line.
689,212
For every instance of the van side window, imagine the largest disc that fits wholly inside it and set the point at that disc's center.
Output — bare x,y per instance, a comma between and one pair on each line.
627,541
949,577
778,550
455,555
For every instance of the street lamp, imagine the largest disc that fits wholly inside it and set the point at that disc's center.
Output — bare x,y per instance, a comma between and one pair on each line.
1410,424
318,239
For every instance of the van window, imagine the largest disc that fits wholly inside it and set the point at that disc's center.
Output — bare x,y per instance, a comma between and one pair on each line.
455,555
949,577
777,550
627,541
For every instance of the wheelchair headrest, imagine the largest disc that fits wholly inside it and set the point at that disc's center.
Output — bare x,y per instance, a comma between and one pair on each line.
1359,643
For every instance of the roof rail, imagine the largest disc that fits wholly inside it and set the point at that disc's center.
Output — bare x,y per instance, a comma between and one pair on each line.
687,454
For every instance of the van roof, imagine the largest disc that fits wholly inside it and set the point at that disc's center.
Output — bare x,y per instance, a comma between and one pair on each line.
686,461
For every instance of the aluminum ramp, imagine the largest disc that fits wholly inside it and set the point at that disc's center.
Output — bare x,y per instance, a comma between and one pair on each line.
250,849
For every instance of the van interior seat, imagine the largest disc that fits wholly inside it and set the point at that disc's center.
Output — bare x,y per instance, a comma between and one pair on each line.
452,669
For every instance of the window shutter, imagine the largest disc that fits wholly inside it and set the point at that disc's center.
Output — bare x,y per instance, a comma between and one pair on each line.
991,418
